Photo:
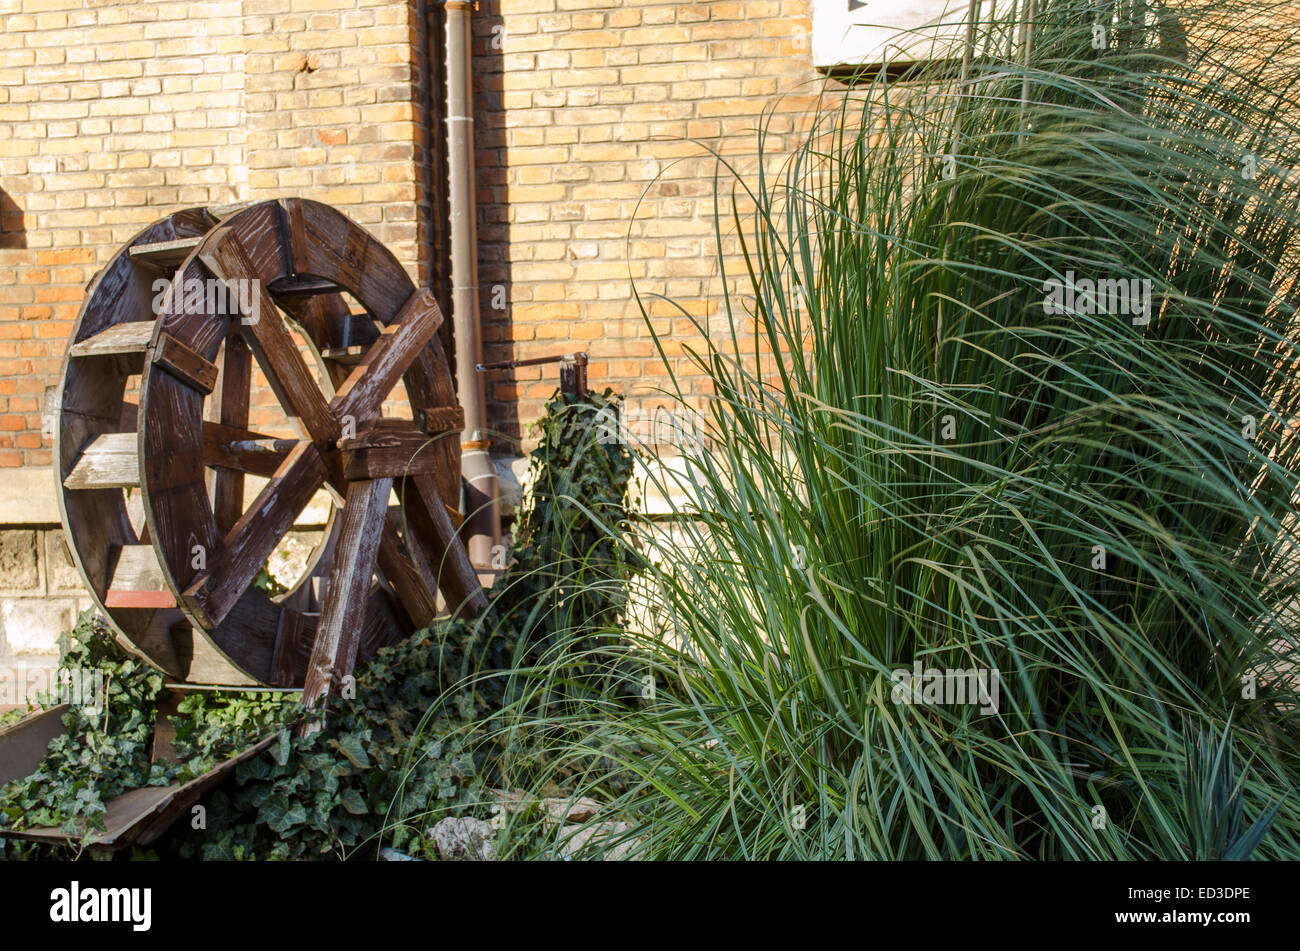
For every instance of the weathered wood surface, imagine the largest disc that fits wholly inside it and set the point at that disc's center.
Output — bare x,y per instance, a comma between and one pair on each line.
293,384
302,287
185,364
234,565
111,461
133,337
339,633
443,419
294,637
139,816
164,254
363,393
391,452
348,356
429,522
24,744
90,404
235,392
408,569
239,451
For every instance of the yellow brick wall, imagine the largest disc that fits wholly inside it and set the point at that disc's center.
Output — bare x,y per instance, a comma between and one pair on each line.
596,125
114,114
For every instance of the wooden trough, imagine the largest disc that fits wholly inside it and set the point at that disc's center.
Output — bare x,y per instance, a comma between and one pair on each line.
153,446
135,818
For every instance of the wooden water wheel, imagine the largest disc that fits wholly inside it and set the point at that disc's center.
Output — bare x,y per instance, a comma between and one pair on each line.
152,492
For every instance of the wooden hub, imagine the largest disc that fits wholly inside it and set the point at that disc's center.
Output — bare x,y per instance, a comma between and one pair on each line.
152,492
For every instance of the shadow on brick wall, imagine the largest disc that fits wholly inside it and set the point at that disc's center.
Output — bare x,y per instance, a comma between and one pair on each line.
13,233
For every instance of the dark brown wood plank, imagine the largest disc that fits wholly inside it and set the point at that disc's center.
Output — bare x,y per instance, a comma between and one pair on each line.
363,393
390,463
405,566
330,246
347,590
111,461
428,520
443,419
393,450
258,231
333,328
174,492
234,566
293,384
293,644
384,625
91,404
235,392
347,356
247,635
185,364
302,287
24,744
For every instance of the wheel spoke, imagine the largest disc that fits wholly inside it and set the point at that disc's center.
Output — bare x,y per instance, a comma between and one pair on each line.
339,633
363,393
405,566
292,382
234,394
231,569
430,525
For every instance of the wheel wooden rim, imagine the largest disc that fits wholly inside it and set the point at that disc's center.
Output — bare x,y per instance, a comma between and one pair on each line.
381,570
90,405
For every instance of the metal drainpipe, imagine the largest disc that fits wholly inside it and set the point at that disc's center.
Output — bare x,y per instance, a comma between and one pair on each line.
483,525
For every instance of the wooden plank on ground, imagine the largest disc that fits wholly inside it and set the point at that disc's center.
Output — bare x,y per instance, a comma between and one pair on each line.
23,745
139,816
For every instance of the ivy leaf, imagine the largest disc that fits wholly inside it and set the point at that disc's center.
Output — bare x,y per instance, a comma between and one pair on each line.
350,746
218,851
295,815
280,749
354,802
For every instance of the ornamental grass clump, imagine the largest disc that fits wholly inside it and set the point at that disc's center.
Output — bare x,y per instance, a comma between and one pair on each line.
996,547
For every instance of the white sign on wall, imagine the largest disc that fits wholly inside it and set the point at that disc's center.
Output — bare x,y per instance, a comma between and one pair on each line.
870,32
